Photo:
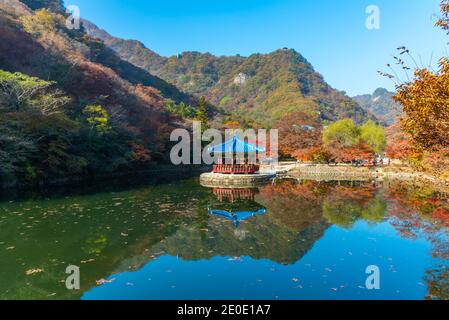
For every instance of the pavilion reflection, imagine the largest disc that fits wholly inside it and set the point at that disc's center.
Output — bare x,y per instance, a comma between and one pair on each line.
237,217
236,205
234,195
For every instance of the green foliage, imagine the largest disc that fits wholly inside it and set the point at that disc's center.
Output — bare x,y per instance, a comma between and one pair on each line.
344,132
97,118
19,92
183,110
15,150
374,136
346,213
203,114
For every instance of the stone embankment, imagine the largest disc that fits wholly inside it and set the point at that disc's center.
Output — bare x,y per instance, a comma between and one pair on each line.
336,173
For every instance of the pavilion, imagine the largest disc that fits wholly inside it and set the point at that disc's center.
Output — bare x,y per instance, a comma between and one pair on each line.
237,149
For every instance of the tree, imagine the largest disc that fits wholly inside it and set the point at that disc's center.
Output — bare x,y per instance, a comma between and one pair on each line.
443,21
98,118
42,21
203,113
343,133
15,152
426,99
374,136
399,144
300,135
183,110
344,141
19,92
426,106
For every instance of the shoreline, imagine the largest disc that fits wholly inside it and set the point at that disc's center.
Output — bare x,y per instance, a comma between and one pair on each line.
159,173
328,173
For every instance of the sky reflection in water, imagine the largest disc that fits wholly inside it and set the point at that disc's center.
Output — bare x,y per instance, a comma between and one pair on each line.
161,242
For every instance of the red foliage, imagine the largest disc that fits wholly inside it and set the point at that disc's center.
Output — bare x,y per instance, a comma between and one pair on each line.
339,154
300,135
398,143
140,154
442,215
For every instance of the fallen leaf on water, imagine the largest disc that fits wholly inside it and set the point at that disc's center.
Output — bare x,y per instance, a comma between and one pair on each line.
234,259
87,261
103,281
34,271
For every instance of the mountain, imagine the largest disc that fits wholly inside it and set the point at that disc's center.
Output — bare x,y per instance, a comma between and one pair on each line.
381,104
261,88
70,106
53,5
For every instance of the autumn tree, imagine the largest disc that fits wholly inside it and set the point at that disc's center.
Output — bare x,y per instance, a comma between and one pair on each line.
399,145
344,141
425,99
19,92
426,106
300,135
42,21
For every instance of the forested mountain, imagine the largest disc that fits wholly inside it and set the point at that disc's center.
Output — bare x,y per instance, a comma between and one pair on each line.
78,103
381,104
261,88
69,106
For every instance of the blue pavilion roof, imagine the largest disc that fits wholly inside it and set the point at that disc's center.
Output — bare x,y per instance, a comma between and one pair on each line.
236,145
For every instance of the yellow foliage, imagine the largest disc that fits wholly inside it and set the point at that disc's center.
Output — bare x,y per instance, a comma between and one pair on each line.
426,106
41,21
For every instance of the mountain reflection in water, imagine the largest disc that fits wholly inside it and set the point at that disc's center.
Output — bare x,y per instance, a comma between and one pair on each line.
161,242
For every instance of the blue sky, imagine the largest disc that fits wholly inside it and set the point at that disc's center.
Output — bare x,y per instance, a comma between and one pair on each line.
331,34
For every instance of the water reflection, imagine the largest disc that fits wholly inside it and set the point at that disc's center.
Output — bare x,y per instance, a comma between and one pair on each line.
237,210
237,217
313,240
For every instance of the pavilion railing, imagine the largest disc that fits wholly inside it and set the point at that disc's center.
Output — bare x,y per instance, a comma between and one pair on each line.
236,168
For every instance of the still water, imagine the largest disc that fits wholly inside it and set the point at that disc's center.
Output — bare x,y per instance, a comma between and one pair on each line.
291,240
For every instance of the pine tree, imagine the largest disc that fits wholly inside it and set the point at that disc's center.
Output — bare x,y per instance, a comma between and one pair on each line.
203,114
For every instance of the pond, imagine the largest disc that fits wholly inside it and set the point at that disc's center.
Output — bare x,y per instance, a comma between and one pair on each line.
178,240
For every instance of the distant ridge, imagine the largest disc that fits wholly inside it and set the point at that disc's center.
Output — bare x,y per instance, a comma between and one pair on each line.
261,88
381,104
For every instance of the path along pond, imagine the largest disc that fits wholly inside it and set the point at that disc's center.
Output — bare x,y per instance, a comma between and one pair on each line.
178,240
